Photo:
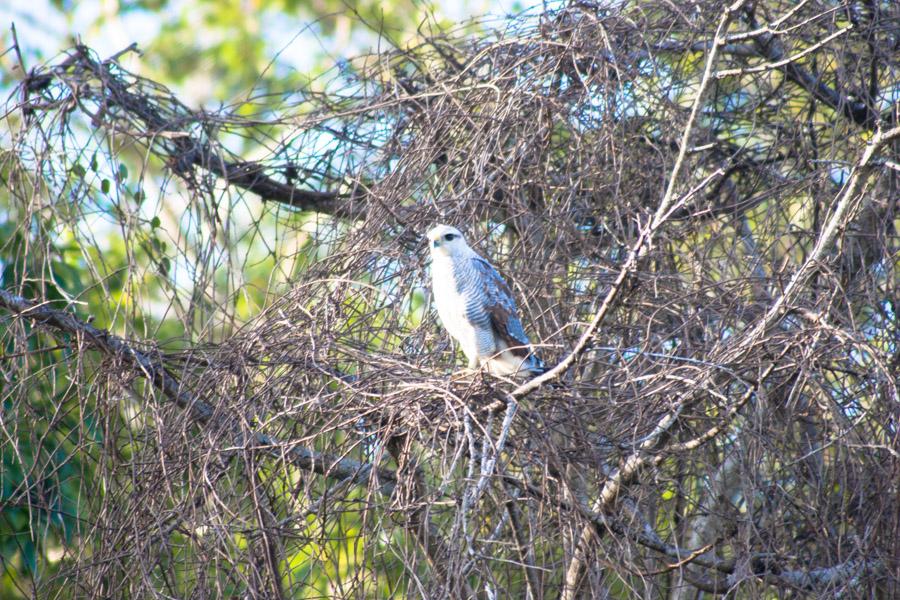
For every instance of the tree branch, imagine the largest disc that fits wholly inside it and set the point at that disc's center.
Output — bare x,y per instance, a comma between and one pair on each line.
171,135
149,367
772,49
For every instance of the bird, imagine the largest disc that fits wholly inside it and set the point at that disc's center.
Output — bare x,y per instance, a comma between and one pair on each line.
477,308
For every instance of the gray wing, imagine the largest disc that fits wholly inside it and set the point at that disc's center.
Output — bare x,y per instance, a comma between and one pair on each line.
500,307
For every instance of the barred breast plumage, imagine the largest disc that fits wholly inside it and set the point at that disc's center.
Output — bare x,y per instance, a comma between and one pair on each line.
477,308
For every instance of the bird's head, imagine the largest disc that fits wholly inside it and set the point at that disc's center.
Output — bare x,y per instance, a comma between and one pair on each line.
444,240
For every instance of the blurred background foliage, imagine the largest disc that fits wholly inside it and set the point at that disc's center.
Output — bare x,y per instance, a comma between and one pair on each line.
138,252
222,52
115,264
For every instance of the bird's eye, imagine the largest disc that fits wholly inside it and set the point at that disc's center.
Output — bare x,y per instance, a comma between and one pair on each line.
449,237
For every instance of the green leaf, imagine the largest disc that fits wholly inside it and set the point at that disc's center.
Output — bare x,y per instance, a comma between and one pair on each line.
68,276
104,186
123,172
155,222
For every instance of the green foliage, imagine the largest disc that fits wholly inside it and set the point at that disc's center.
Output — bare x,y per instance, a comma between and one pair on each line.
226,50
171,255
48,430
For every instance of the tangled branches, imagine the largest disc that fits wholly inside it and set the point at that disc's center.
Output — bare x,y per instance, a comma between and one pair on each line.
697,214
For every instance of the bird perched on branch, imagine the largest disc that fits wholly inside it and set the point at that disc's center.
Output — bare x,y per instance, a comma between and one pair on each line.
477,307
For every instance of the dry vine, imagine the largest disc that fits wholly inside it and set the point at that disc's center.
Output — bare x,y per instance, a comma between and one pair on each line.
697,211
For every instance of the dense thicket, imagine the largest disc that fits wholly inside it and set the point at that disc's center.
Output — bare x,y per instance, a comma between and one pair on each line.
222,374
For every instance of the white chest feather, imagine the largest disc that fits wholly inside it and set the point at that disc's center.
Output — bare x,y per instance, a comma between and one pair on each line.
476,308
450,303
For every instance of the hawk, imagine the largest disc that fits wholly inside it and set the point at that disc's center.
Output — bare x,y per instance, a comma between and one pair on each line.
477,307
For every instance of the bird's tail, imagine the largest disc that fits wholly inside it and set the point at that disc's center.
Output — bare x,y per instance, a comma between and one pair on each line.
535,366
